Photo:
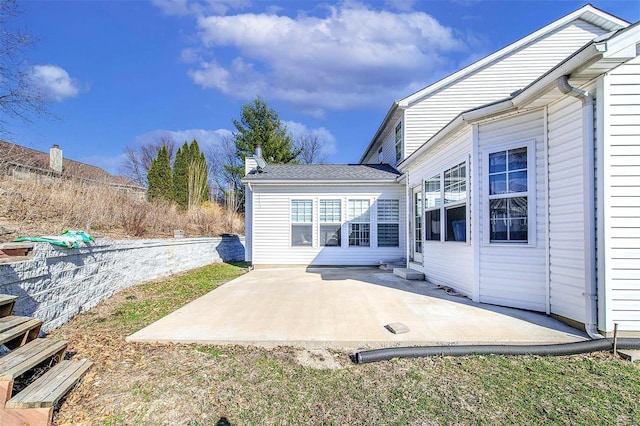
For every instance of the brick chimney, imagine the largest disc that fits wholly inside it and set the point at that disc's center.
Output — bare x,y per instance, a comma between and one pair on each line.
55,159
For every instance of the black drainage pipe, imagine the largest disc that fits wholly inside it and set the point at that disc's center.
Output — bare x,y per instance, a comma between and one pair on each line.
587,346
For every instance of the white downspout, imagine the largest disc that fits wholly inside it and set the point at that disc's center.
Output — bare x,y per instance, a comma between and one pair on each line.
591,286
546,214
408,212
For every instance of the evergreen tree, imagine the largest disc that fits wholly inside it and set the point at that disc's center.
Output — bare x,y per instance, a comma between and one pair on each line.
159,179
260,124
197,176
181,176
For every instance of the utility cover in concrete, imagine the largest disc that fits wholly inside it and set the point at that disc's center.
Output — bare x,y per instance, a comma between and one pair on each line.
397,328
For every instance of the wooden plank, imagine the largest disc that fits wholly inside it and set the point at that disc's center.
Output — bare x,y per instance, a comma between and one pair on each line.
51,386
28,356
7,302
19,245
17,331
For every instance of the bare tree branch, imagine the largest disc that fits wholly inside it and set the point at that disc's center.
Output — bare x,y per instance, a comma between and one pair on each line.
20,98
138,158
311,148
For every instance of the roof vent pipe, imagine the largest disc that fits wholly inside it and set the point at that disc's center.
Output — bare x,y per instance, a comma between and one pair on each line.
258,149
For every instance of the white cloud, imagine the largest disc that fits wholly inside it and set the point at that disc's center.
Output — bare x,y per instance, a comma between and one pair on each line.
55,82
206,138
350,57
327,139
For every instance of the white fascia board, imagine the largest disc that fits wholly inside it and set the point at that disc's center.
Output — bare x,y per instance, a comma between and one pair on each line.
623,45
582,13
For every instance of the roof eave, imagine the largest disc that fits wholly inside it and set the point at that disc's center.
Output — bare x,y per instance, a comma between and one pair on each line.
392,110
582,13
279,182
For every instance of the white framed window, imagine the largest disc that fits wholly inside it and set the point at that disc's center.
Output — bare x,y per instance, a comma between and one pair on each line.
399,142
359,223
455,203
301,223
432,204
446,205
510,194
330,222
417,221
388,223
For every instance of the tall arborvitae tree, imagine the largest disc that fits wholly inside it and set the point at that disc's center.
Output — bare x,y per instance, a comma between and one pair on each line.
181,176
197,177
159,177
260,124
190,176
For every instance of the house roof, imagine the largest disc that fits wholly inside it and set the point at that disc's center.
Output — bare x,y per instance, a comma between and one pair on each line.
587,13
22,156
597,57
323,173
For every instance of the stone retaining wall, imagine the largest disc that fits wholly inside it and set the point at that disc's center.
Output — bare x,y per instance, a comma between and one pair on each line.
57,283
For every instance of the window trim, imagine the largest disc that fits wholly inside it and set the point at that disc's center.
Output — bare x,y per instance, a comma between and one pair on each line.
292,223
380,221
530,145
321,222
350,221
399,141
443,206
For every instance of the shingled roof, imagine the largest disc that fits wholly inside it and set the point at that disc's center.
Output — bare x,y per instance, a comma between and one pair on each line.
22,156
323,173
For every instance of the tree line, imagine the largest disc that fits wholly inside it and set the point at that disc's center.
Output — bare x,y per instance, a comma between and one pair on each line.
188,177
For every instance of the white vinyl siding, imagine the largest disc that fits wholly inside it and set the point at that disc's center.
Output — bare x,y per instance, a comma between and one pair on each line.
566,207
622,197
445,263
271,222
514,274
496,81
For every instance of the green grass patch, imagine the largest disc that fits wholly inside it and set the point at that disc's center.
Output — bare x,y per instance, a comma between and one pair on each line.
150,301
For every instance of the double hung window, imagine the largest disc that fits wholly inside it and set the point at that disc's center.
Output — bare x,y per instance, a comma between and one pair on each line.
509,195
359,223
330,222
388,223
445,200
301,222
399,142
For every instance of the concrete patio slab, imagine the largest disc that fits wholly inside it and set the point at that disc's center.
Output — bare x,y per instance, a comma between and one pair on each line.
345,308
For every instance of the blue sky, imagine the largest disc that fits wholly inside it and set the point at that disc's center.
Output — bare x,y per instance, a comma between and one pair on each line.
124,72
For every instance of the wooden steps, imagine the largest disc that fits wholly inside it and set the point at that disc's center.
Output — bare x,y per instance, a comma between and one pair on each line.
17,331
34,404
6,304
47,390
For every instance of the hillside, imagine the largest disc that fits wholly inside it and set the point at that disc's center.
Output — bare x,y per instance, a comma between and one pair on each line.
47,206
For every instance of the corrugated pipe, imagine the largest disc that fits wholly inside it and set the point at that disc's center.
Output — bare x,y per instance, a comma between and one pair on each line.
587,346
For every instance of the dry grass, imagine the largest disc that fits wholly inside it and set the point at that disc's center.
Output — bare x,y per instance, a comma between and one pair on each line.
49,206
143,384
